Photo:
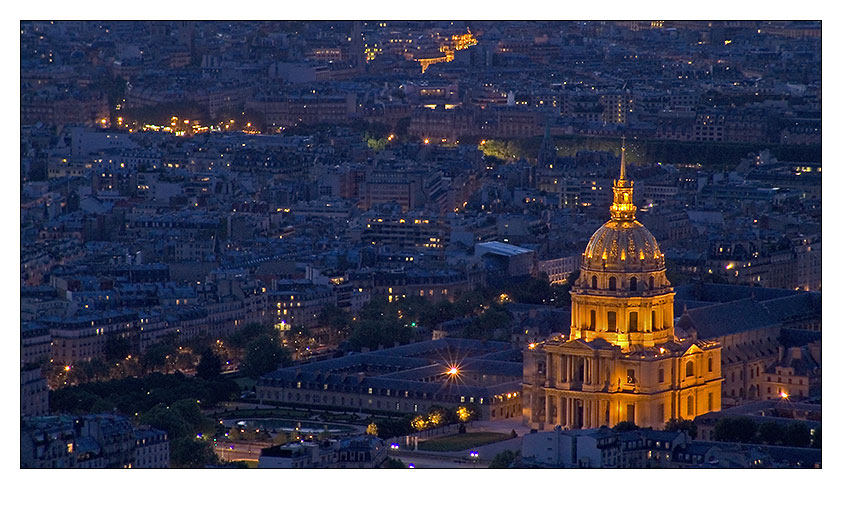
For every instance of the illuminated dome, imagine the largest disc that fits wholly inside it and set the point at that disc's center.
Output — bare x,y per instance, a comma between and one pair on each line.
622,256
623,246
623,295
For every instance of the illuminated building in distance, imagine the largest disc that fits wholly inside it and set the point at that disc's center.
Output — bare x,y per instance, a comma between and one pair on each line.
623,361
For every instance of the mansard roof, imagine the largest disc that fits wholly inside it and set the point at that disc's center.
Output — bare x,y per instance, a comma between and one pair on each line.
726,318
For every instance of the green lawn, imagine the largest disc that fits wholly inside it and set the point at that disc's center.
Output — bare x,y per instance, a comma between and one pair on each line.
458,442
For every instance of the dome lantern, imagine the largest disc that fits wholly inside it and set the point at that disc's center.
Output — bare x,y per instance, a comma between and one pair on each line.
623,207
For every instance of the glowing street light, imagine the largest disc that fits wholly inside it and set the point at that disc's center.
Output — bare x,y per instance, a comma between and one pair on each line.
453,371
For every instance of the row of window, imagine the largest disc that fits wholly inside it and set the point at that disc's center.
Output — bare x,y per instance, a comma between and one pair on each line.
612,283
633,321
689,371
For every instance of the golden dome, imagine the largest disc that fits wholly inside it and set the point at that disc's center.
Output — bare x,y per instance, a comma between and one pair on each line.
624,246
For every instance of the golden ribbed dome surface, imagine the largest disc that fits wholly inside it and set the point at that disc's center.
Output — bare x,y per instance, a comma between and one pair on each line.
624,246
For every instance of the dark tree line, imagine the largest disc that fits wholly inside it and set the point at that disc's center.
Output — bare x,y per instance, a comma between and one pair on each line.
138,395
745,430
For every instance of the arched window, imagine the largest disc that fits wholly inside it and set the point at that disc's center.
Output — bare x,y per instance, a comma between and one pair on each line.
593,282
633,284
689,371
651,282
612,283
593,320
710,365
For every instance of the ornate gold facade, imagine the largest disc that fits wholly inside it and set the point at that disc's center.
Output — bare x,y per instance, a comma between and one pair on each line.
623,361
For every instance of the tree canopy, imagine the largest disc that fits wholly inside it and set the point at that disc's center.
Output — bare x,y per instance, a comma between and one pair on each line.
263,355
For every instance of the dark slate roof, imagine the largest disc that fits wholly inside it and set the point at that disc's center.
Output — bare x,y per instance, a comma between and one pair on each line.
795,337
723,293
743,352
513,355
679,305
800,305
362,362
87,445
485,366
462,347
398,369
726,318
803,365
696,448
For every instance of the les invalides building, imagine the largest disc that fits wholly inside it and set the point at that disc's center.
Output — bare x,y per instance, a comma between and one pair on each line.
622,361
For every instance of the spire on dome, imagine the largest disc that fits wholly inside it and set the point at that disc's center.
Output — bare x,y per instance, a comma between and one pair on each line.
623,160
623,207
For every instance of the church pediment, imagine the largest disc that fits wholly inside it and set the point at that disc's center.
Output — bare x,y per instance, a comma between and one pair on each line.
589,346
694,348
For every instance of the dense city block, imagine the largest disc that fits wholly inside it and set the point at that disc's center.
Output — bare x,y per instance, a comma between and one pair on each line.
420,244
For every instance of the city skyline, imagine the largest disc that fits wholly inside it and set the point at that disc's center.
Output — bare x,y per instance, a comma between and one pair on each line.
421,244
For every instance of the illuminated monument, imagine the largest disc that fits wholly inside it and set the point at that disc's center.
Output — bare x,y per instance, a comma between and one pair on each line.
623,361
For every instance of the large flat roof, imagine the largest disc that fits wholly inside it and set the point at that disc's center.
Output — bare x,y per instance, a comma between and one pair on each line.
503,249
417,367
